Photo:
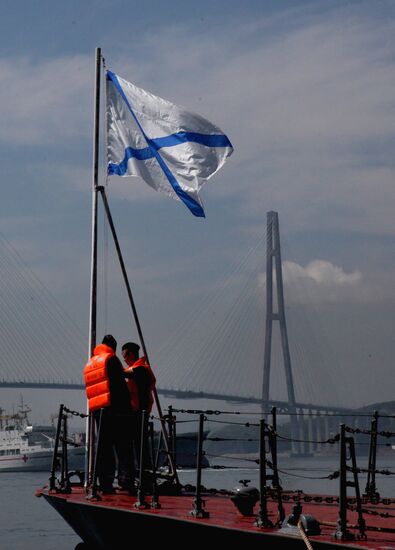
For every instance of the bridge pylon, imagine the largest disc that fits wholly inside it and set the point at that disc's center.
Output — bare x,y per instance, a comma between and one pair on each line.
273,265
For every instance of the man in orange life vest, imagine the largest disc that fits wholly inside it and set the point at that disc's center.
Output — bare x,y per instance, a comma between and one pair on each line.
107,390
141,379
141,383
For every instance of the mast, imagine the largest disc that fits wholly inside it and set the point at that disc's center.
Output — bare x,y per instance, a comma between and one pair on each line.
93,290
96,189
95,185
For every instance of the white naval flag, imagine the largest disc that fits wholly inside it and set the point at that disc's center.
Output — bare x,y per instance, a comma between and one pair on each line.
171,149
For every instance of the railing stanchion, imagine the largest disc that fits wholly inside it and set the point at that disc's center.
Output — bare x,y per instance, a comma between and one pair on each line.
155,496
174,443
275,479
371,490
65,465
141,502
55,450
198,503
342,533
262,519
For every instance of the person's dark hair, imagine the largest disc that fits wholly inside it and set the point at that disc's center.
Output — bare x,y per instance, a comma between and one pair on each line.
131,346
110,341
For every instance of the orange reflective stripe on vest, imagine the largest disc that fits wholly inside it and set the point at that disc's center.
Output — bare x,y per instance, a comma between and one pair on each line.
132,386
96,378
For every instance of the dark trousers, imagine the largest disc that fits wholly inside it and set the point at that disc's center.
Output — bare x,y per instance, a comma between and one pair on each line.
137,434
115,449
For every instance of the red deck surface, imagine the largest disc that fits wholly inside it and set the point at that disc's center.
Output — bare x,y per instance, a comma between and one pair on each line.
223,513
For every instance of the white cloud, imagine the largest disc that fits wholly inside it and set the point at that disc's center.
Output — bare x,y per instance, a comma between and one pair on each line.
47,102
321,272
320,281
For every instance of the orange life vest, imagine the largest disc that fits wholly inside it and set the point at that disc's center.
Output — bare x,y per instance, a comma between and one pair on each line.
97,383
132,386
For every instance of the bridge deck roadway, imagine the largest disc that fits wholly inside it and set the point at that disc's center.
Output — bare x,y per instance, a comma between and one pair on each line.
282,406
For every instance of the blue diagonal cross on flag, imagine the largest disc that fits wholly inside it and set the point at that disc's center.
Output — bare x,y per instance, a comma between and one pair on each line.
171,149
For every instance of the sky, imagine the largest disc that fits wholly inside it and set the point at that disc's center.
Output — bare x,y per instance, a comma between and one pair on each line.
304,91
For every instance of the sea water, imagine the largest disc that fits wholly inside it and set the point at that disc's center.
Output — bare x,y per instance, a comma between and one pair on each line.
30,523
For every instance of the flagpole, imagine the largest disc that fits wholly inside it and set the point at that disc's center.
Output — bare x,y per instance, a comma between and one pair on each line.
93,291
137,321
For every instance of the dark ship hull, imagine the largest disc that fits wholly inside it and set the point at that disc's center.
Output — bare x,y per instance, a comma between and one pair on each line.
108,523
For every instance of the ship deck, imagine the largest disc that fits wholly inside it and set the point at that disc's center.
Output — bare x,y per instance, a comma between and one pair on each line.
224,517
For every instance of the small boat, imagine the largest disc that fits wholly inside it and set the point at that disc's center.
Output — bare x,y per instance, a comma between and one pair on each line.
25,447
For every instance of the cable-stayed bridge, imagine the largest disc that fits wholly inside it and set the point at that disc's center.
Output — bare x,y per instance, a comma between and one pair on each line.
220,356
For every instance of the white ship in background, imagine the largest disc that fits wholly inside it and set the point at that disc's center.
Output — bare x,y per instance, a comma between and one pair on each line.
29,448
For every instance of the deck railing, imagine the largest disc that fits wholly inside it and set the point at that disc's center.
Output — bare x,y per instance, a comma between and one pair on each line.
154,478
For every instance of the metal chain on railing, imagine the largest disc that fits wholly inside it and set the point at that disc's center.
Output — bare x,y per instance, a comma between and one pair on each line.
369,432
322,414
367,471
301,497
298,496
371,512
352,504
331,476
245,424
208,412
330,441
74,413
